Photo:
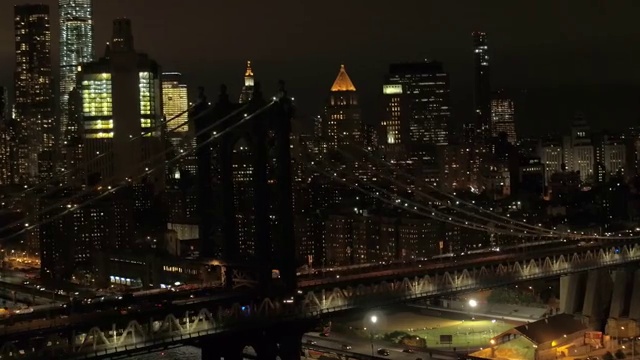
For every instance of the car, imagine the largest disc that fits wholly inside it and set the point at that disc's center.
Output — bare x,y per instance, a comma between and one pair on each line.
311,342
383,352
346,347
408,351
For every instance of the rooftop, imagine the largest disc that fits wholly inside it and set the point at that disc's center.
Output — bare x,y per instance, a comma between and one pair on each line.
551,328
343,82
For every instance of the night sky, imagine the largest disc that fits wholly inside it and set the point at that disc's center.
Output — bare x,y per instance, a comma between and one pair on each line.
570,55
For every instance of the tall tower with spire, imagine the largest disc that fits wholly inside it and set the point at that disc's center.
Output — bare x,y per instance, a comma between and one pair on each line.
247,89
342,125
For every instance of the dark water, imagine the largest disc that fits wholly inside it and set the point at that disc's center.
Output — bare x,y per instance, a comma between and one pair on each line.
182,353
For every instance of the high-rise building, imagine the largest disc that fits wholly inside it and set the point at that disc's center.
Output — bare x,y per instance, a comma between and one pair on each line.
342,124
4,103
70,241
34,92
502,117
578,149
121,99
417,105
76,48
552,157
610,157
175,102
482,91
247,88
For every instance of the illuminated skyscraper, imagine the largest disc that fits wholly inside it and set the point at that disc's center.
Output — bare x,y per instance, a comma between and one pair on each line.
247,89
174,102
482,91
417,105
34,92
76,47
342,124
502,117
121,100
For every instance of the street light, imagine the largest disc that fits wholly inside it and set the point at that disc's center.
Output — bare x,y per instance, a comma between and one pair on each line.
373,319
473,303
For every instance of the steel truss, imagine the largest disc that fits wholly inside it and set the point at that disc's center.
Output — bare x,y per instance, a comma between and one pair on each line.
98,342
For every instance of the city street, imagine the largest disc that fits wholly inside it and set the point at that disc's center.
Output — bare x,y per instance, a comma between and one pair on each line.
361,346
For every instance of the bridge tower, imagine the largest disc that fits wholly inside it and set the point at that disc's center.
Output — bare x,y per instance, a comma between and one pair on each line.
268,133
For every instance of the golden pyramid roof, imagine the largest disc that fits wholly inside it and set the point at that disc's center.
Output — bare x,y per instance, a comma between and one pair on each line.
343,83
249,72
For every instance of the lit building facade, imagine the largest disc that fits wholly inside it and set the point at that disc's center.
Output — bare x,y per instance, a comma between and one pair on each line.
502,118
175,102
342,125
551,156
7,151
121,110
417,106
579,154
610,157
34,92
247,88
482,90
76,48
70,241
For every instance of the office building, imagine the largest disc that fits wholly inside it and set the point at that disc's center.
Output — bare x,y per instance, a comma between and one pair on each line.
175,103
70,241
502,117
482,89
34,93
552,157
76,48
121,99
417,106
610,157
5,112
579,155
342,125
247,88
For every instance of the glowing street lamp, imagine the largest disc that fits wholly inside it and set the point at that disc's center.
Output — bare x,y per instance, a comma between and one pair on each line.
473,303
374,320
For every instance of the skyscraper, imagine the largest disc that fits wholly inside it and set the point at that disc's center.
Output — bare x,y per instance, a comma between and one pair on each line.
121,99
502,117
34,92
247,88
342,124
76,47
4,103
482,90
417,105
175,101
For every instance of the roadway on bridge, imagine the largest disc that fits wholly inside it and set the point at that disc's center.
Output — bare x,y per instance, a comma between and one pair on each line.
362,346
418,267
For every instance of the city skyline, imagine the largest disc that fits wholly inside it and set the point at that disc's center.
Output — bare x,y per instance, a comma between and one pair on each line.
518,54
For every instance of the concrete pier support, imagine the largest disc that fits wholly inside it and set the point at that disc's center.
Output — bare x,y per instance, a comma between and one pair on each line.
572,289
622,287
634,308
597,297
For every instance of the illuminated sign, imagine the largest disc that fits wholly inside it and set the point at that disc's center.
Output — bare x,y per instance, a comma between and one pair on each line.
391,89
